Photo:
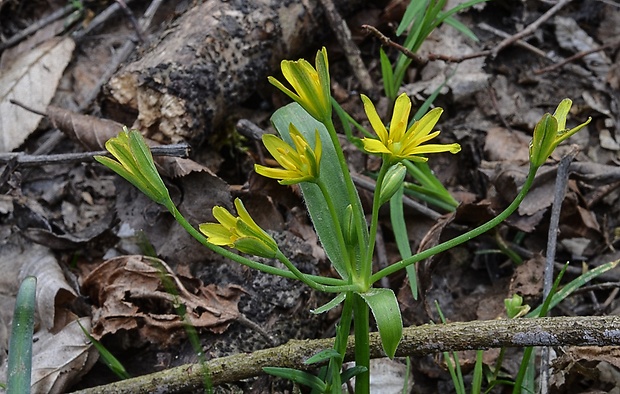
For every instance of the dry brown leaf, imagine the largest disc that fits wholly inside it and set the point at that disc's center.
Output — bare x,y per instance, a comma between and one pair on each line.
91,132
504,145
32,79
129,295
527,279
62,359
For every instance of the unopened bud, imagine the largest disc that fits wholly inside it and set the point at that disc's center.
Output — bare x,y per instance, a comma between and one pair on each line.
393,180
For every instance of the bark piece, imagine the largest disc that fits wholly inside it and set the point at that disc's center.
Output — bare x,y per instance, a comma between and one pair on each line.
211,60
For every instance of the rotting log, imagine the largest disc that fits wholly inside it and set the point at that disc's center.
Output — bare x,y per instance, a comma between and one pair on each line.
417,341
211,59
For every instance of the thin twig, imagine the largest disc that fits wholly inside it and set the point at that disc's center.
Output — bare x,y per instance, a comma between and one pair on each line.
417,59
520,43
351,51
416,341
98,20
559,194
530,29
23,159
54,16
577,56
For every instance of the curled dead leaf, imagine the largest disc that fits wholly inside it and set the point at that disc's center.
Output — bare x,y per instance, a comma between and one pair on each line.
133,293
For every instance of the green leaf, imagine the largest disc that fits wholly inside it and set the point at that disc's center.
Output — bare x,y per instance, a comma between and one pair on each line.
330,305
574,285
385,309
388,75
397,217
300,377
20,343
107,357
349,373
330,174
323,355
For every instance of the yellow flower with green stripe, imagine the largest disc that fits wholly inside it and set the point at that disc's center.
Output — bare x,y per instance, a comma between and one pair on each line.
550,132
300,163
310,85
402,143
241,233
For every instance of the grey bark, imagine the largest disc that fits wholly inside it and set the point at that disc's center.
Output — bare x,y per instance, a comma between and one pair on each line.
213,58
417,341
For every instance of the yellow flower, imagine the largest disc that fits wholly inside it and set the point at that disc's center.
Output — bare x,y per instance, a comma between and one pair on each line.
310,85
134,162
241,233
550,131
300,164
400,143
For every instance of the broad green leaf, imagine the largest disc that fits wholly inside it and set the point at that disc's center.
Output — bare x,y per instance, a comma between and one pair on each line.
385,309
330,305
300,377
20,343
332,176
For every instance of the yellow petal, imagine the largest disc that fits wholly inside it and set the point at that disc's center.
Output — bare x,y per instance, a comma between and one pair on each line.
375,146
216,234
400,117
375,120
222,215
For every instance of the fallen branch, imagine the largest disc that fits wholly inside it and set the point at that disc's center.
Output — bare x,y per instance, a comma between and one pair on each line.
417,341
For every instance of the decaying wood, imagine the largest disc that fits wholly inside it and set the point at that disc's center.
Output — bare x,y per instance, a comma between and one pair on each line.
417,341
211,59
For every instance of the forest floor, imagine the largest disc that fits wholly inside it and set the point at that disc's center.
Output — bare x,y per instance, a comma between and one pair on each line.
82,230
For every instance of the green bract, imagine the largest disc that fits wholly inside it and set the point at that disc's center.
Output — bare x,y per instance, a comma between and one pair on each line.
310,85
134,162
550,131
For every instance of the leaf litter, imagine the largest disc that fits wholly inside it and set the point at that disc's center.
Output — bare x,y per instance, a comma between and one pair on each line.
494,104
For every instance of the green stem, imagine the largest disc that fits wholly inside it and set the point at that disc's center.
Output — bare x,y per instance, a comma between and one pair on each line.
336,219
305,278
367,261
361,317
243,260
340,344
461,238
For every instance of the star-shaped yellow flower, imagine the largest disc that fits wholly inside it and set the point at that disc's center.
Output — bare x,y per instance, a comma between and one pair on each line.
241,233
300,164
402,143
310,85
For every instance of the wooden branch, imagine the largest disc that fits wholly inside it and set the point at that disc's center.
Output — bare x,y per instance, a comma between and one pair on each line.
417,341
184,87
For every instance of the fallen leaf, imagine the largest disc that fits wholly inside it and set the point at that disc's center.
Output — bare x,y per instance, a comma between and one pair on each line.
61,359
32,79
129,295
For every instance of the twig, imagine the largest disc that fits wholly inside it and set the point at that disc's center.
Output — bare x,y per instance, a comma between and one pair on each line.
520,43
136,25
54,16
559,194
577,56
417,59
369,184
23,159
417,341
98,20
530,29
351,51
